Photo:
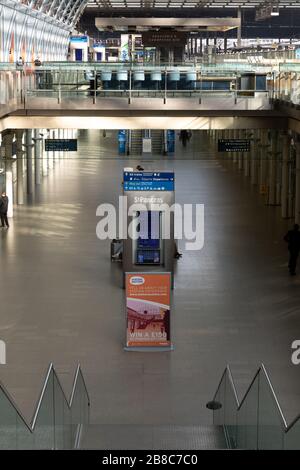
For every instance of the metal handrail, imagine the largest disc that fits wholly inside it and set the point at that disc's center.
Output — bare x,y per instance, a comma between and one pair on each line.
233,386
274,396
40,400
249,388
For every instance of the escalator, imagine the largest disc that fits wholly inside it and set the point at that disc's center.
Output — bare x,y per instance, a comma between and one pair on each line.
254,422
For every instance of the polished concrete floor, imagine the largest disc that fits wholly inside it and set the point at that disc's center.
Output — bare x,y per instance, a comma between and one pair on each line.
61,299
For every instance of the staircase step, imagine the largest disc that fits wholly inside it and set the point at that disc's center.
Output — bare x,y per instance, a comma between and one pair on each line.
135,437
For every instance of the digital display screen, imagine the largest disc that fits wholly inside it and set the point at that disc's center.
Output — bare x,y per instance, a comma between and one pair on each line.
149,229
148,257
148,243
149,181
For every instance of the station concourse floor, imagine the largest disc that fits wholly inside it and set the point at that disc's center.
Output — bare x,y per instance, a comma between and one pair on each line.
234,302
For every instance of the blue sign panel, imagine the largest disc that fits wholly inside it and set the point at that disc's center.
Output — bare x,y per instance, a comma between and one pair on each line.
79,39
149,181
170,141
122,141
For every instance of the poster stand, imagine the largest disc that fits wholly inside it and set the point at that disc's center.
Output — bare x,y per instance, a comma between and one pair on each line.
148,312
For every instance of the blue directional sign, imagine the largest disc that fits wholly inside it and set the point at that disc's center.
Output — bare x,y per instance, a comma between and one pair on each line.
149,181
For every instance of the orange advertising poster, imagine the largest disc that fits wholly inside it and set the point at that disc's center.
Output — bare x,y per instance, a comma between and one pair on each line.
148,309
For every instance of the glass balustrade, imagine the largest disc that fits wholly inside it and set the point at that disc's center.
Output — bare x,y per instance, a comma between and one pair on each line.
57,422
257,422
88,84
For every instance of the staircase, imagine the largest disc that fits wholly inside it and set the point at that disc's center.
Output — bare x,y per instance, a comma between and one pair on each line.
171,437
157,142
157,138
136,146
254,422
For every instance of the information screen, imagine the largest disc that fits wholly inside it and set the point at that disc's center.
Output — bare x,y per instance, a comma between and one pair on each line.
148,257
149,229
58,145
149,181
233,145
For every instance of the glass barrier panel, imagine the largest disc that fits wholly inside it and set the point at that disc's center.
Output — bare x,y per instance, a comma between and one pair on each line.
230,413
292,437
76,413
85,403
8,423
59,417
246,436
25,438
44,435
219,414
270,423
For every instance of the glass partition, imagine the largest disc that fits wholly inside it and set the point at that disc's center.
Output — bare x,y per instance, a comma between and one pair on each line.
257,422
292,436
270,420
247,418
54,420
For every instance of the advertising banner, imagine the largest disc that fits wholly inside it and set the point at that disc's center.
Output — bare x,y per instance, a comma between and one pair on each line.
148,304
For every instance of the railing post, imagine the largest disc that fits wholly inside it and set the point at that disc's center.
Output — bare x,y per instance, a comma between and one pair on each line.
95,86
166,84
59,88
130,86
200,94
236,89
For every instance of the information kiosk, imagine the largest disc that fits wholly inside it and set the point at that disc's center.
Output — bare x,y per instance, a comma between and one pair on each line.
153,247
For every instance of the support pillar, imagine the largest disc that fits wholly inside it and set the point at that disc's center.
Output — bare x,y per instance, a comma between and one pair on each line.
7,137
29,175
250,136
272,166
20,167
235,154
254,157
286,142
241,154
263,162
239,29
37,156
45,157
297,189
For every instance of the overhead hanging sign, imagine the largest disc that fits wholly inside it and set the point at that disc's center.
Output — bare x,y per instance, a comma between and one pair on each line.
234,145
78,38
164,38
149,181
58,145
148,308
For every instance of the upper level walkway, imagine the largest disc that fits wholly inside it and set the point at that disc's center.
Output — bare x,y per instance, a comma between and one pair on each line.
186,89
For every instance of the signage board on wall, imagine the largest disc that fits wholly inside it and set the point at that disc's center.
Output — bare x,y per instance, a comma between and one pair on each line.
147,145
58,145
148,308
234,145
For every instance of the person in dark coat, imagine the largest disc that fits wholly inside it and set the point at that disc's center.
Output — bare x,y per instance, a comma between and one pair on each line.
293,240
3,210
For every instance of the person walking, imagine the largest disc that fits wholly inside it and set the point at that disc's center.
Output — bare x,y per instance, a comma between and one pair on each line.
3,210
292,238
